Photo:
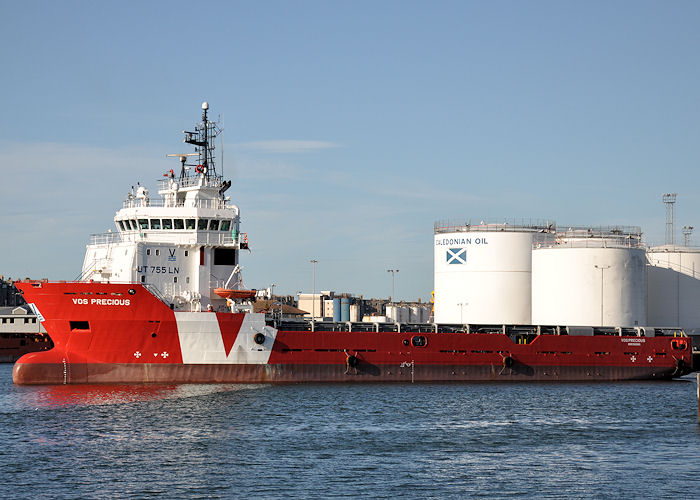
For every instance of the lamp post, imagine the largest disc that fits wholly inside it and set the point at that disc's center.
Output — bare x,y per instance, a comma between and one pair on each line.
393,274
602,269
272,289
313,296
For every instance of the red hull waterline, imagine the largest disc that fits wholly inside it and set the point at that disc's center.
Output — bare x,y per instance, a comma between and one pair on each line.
121,333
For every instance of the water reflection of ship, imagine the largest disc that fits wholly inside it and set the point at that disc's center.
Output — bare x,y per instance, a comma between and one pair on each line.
60,396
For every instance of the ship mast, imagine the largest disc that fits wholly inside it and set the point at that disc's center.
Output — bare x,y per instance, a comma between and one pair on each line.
203,139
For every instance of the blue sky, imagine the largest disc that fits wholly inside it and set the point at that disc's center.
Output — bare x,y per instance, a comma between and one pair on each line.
350,127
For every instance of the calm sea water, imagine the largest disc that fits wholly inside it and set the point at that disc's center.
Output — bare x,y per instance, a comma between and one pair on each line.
315,441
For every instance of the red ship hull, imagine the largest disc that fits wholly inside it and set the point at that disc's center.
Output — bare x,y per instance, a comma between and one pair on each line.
117,333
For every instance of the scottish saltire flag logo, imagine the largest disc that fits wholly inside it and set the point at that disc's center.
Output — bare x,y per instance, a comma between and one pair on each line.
456,255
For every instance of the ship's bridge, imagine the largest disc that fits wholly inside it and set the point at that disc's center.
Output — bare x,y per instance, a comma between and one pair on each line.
191,210
185,243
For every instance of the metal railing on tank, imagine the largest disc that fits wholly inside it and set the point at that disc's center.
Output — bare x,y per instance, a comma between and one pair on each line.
593,237
509,224
675,267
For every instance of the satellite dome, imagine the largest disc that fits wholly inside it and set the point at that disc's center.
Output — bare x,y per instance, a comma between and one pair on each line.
205,105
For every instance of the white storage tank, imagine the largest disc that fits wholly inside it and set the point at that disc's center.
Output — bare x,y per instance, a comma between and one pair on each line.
673,286
397,313
354,313
483,272
415,314
592,277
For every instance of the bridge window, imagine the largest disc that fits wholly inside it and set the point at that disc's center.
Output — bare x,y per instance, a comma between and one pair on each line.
225,225
189,224
143,223
155,223
202,224
121,225
167,223
179,224
213,225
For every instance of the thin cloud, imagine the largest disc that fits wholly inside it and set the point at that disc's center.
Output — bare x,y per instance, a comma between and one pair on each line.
286,146
263,169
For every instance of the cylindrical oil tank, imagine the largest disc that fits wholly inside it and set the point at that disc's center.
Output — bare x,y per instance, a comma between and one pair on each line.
592,281
673,286
483,272
336,310
397,313
355,311
415,314
344,309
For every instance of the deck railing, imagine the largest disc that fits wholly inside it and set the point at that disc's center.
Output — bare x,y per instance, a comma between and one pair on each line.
180,237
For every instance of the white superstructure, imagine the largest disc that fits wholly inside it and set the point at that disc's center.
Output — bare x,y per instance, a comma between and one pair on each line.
483,272
593,277
184,244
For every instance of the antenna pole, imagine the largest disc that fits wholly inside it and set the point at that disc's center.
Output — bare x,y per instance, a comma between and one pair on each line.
222,145
206,140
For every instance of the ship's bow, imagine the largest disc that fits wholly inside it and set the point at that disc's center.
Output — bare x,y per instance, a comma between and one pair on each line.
38,368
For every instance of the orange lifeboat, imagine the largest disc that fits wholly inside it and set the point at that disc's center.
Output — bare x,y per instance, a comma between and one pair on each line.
228,293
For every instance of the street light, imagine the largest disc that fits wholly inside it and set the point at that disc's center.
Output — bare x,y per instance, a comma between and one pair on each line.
272,289
313,296
393,273
602,269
